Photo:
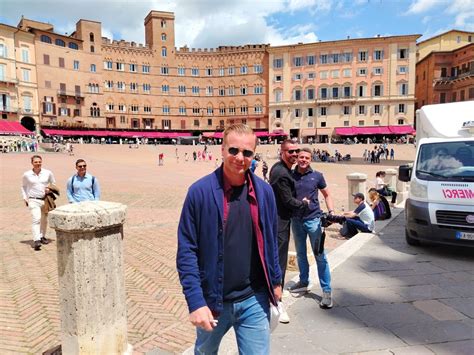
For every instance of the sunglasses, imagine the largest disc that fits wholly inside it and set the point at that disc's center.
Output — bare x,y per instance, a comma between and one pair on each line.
81,166
246,153
293,151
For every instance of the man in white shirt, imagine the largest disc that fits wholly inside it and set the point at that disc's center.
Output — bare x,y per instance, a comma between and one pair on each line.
362,218
34,189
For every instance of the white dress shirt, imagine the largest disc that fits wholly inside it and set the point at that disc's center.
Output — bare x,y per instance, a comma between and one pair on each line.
34,184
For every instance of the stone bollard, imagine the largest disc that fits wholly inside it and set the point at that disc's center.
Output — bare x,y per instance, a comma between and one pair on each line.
357,182
91,277
391,178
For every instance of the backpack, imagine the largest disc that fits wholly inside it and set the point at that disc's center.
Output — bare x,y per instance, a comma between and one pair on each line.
72,185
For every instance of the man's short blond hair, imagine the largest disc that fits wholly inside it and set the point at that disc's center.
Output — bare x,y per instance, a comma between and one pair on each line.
238,128
306,150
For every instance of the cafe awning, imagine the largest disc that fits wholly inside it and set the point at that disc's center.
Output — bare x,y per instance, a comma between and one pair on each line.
308,132
403,129
344,131
9,127
324,131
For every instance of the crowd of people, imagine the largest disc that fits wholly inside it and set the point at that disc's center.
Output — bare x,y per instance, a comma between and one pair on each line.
379,152
18,144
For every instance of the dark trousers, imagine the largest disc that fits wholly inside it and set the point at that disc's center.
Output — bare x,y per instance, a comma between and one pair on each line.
383,192
283,243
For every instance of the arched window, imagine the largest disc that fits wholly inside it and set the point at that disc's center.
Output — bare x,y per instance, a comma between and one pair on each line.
163,36
60,42
45,39
163,24
163,51
92,49
73,45
91,37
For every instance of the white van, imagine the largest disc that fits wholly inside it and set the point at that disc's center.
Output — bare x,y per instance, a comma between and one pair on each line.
440,205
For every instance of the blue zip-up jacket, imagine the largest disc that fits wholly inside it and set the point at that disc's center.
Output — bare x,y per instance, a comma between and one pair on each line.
200,256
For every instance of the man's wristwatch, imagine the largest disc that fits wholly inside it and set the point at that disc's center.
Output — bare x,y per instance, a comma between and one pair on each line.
330,211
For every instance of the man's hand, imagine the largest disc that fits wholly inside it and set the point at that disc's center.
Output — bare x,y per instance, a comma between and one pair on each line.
203,318
306,201
46,190
26,202
277,292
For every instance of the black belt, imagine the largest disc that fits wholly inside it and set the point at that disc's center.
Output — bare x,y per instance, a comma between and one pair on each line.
37,198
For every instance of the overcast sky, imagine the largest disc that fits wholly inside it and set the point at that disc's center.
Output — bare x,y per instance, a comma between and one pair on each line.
211,23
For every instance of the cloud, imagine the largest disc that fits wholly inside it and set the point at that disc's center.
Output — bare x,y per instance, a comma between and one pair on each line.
420,6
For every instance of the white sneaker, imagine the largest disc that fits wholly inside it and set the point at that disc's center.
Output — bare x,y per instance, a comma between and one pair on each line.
285,293
326,301
284,317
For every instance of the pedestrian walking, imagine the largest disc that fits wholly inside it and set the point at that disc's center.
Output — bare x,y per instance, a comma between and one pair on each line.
35,185
82,186
226,259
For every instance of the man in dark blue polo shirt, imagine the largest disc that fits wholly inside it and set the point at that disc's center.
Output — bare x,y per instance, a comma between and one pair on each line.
306,222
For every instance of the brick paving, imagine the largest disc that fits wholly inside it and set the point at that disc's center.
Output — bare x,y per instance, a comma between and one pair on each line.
157,313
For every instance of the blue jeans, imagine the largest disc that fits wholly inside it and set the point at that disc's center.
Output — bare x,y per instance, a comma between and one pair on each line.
301,229
354,225
251,321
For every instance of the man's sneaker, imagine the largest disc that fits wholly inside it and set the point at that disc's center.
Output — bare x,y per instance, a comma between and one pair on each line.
326,301
299,287
285,293
43,240
37,245
284,317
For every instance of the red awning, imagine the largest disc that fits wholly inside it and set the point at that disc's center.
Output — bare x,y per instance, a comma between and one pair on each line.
344,131
122,134
406,129
372,130
9,127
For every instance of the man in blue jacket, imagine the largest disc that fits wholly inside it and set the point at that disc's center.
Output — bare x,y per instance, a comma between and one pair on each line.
227,255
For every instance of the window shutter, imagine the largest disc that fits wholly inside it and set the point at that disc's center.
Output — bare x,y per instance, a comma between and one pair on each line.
69,112
44,107
54,109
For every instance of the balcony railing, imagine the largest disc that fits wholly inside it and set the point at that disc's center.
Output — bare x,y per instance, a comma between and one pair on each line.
449,79
75,94
9,109
7,81
329,100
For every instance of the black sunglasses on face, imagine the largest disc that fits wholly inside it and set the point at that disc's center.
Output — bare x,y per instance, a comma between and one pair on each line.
81,166
246,153
293,151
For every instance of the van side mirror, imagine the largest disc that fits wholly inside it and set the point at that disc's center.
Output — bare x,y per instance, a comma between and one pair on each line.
404,173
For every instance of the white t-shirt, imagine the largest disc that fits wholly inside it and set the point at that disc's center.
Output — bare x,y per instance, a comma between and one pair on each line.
379,183
366,215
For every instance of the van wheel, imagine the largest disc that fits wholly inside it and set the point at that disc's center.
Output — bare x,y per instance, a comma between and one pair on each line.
410,240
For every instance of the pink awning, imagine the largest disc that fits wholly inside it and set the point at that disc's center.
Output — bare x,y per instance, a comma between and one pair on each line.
122,134
344,131
372,130
9,127
405,129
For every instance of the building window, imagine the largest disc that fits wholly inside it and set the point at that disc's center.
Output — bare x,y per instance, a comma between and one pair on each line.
134,108
221,71
95,111
335,92
194,71
208,71
378,71
323,59
163,37
347,91
277,78
231,70
26,75
196,111
182,89
73,45
310,94
92,49
121,107
196,123
93,68
361,91
210,111
335,57
182,110
323,93
403,89
109,84
362,72
231,90
61,62
347,57
258,68
120,66
146,88
402,69
164,70
277,113
362,56
25,55
163,24
166,110
195,90
310,112
165,88
243,69
221,91
163,52
209,90
133,68
244,109
297,112
60,42
147,109
377,90
376,122
346,73
323,74
221,111
120,86
278,63
91,37
346,110
361,123
45,59
311,76
145,69
181,71
258,89
377,109
108,65
361,109
378,54
401,108
278,95
133,87
401,121
297,95
297,76
334,74
310,60
45,39
298,61
323,111
402,53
